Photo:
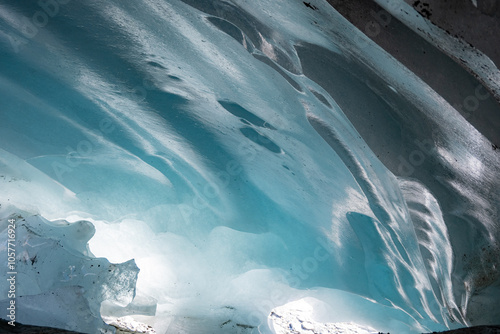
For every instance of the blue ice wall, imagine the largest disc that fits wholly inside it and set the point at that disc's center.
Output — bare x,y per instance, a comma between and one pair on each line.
204,141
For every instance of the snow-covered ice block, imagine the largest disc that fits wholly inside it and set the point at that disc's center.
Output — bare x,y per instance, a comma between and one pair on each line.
57,281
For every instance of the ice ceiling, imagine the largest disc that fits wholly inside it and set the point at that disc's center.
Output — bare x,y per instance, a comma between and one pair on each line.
208,141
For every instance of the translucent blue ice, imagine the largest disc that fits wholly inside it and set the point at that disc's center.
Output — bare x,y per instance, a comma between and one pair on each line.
208,141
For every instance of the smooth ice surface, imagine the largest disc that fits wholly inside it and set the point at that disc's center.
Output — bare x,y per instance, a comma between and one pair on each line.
208,141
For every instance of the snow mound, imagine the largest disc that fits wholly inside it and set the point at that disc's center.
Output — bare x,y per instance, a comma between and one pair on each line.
298,318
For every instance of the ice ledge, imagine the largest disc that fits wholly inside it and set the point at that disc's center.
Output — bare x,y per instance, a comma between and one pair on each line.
56,280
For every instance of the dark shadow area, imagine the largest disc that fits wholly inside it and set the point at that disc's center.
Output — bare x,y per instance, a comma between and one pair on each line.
260,139
474,330
28,329
245,115
449,79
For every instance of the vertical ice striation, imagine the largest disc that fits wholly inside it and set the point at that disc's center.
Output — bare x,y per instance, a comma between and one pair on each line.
247,156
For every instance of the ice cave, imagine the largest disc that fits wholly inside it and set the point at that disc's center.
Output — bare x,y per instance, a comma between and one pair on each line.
245,166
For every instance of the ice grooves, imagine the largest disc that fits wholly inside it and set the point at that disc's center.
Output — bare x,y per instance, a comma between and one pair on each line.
359,174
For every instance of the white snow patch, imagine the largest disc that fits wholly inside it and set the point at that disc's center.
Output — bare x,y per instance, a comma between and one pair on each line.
128,325
298,318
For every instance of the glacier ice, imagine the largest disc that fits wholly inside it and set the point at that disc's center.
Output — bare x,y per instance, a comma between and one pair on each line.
211,145
57,282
